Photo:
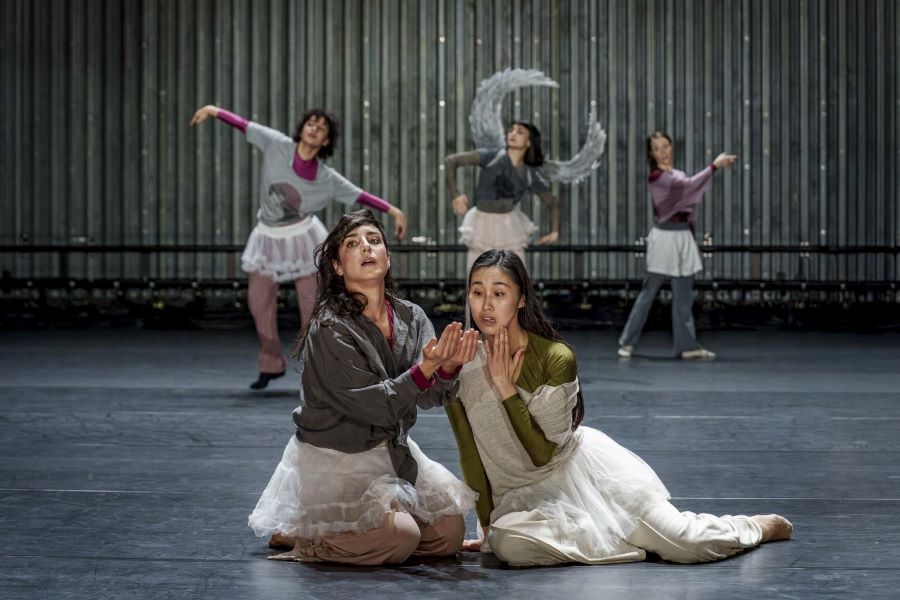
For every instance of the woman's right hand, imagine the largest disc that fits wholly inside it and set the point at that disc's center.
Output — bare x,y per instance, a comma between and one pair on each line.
465,353
723,161
460,205
202,114
437,352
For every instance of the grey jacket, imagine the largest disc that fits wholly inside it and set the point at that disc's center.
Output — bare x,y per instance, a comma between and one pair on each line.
357,392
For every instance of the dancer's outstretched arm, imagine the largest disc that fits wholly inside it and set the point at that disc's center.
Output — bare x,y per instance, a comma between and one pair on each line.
453,162
211,110
258,135
347,192
689,190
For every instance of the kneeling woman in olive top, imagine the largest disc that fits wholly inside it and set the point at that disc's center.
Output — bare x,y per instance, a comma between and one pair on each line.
552,491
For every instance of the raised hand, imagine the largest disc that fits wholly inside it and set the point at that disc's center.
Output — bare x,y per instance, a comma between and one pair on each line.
465,353
460,205
723,161
437,352
501,366
202,114
399,222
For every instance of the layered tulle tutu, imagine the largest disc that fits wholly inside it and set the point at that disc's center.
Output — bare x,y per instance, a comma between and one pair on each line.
590,501
485,231
318,491
284,253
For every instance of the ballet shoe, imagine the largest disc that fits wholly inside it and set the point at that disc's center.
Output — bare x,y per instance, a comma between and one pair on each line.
699,354
263,381
625,351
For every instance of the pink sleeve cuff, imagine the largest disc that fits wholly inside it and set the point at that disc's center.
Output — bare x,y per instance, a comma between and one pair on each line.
419,377
236,121
367,199
713,167
445,375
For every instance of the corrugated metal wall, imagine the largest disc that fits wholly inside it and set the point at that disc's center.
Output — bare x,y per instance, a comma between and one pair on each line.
96,98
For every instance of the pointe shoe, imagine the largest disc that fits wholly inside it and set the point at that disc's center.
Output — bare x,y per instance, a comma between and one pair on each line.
263,380
774,527
699,354
625,351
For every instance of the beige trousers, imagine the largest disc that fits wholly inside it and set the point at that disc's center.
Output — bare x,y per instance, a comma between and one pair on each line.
682,537
399,537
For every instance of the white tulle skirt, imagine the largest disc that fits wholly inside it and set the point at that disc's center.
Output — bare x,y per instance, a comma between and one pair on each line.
317,491
482,231
284,253
590,502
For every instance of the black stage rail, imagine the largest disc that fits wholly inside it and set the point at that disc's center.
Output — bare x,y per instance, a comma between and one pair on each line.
146,250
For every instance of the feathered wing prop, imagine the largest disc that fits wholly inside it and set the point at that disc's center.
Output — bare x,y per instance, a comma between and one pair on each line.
488,131
579,166
487,126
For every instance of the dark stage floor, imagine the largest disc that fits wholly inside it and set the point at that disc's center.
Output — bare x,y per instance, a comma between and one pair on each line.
129,460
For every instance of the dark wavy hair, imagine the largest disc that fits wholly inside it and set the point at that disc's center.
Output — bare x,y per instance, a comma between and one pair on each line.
333,130
655,136
534,156
530,317
332,295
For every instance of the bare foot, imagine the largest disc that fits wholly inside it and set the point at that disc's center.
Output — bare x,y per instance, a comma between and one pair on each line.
280,540
774,527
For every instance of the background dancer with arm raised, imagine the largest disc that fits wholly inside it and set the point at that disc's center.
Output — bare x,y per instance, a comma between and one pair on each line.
672,251
294,184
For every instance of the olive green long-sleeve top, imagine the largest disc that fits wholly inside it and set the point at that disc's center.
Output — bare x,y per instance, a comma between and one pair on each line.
549,374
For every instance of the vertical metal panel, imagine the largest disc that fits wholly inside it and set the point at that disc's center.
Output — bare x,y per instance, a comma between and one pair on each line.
114,201
96,95
892,195
76,201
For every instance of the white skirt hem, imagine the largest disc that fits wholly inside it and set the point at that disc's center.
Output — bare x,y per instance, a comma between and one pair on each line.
316,492
286,253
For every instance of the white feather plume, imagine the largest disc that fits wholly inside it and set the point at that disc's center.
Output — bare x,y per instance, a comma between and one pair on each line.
484,119
488,130
579,166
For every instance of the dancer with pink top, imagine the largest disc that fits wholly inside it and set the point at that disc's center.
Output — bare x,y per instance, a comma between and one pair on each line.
672,251
294,184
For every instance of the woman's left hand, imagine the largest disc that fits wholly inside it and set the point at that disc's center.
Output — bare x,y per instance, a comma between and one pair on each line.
501,366
399,222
